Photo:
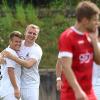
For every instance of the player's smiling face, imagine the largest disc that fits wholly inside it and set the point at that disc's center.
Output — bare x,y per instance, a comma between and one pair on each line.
15,43
31,35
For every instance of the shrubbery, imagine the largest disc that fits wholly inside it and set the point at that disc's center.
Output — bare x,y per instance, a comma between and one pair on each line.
51,19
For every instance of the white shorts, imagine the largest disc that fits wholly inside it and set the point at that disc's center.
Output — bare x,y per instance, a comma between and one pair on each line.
9,97
97,91
30,94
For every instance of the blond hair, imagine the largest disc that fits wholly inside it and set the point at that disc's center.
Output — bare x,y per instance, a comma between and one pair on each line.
34,27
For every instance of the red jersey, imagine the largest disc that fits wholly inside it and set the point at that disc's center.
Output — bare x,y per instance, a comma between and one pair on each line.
78,46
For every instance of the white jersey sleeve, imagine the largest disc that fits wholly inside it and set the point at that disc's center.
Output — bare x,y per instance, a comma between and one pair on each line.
9,62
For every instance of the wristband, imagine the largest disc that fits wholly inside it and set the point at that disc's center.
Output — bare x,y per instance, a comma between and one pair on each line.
58,79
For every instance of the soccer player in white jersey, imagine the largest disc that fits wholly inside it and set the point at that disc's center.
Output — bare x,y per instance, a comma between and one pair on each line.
30,56
11,71
96,74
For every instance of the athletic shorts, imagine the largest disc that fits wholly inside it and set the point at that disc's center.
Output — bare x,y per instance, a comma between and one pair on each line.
30,94
71,96
9,97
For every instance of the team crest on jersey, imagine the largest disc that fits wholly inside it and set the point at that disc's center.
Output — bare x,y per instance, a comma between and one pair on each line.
86,57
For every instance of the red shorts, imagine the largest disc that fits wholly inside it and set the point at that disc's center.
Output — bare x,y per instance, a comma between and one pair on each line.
71,96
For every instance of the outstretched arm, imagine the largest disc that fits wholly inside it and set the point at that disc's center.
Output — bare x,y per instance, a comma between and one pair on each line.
25,63
2,61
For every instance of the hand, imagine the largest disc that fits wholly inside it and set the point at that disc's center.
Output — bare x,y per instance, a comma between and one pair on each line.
2,61
6,54
81,95
59,84
17,93
94,36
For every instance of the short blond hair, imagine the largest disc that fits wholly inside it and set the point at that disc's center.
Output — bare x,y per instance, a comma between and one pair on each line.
34,27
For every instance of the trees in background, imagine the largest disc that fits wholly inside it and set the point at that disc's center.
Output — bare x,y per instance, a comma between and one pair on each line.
52,18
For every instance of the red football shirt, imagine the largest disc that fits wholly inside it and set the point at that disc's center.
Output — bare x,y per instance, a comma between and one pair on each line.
77,45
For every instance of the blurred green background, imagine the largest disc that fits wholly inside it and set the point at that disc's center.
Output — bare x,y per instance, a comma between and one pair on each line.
52,16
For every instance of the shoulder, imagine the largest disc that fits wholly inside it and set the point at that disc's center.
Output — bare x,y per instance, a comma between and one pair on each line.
11,50
10,62
67,33
36,48
66,36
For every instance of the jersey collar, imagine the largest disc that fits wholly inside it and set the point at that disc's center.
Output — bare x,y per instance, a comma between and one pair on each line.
75,30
